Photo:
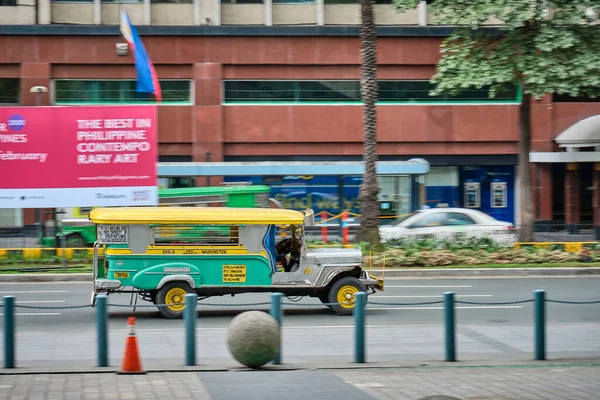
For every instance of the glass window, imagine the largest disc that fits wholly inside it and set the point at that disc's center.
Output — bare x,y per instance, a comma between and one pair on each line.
9,91
262,91
328,91
8,3
293,1
430,220
564,98
344,91
173,1
459,219
398,91
86,91
241,1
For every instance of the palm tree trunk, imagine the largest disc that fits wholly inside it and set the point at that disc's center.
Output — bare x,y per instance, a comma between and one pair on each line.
369,206
527,206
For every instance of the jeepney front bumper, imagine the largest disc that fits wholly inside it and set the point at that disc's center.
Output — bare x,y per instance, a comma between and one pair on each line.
371,281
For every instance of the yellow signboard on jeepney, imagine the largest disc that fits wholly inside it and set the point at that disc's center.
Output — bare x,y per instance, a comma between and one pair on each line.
234,273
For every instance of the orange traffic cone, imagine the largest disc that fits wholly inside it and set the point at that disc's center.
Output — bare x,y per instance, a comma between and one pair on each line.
131,359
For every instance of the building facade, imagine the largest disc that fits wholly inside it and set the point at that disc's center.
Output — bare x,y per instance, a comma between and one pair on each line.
274,80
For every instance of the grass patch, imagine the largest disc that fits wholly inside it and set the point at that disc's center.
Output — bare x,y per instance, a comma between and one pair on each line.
491,266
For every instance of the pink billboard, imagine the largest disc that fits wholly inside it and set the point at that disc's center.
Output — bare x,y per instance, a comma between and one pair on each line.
78,156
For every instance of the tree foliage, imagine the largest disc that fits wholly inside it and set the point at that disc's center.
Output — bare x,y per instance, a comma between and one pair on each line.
542,46
545,46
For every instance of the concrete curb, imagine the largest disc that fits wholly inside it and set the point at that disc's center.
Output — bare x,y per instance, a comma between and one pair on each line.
389,273
593,363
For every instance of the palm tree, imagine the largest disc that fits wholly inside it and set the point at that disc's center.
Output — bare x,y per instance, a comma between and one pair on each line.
369,206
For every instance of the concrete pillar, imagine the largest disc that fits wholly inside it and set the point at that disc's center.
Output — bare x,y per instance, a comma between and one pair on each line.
98,12
320,8
268,6
207,133
596,199
35,74
44,12
197,12
422,13
572,198
542,178
147,12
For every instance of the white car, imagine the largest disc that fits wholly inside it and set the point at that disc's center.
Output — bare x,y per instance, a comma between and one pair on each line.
449,223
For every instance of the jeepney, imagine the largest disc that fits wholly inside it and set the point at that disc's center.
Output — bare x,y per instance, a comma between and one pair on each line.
161,254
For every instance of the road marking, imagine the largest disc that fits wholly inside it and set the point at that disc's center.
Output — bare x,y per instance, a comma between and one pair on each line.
39,301
34,291
432,286
441,308
34,314
433,296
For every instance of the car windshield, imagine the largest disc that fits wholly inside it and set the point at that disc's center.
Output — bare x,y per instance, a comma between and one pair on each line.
403,218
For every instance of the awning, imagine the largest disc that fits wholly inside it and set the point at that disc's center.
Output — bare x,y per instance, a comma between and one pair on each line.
415,166
584,133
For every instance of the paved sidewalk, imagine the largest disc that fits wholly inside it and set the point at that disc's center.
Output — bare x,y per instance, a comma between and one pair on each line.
521,382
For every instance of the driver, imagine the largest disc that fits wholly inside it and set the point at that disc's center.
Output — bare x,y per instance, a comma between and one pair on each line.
288,254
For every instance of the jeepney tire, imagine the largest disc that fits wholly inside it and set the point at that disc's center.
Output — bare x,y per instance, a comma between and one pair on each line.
173,290
340,289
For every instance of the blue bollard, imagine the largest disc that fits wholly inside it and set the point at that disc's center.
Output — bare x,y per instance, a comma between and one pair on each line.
9,331
277,313
540,324
102,326
450,325
359,322
189,314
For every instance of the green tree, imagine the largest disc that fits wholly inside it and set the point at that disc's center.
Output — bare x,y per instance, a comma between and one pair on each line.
369,90
543,46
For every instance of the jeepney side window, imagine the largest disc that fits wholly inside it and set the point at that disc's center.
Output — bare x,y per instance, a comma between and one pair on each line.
196,235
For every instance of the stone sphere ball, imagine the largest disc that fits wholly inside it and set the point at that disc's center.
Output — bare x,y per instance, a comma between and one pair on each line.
253,338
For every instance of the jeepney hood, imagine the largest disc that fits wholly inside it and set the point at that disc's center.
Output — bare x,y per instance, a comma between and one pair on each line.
334,256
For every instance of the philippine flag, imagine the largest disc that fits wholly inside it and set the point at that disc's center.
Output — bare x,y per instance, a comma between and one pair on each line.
147,81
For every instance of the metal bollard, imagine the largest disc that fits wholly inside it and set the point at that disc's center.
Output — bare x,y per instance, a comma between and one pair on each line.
102,326
540,324
189,314
277,313
9,331
359,326
450,326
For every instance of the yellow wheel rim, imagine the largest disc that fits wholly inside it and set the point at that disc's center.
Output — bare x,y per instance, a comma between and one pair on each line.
175,299
346,296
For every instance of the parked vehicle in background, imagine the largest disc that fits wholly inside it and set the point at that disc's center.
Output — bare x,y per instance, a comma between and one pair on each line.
449,223
80,232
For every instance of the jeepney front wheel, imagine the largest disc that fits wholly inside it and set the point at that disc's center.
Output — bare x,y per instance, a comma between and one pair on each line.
170,299
344,292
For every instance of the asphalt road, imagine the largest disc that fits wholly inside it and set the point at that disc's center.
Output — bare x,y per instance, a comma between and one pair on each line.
313,332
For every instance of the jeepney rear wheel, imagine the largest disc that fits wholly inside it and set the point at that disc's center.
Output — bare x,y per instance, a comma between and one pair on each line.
171,299
343,292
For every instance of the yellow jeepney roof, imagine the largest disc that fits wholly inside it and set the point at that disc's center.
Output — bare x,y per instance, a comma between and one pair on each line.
195,215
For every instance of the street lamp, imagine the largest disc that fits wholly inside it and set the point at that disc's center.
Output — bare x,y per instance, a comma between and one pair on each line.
38,90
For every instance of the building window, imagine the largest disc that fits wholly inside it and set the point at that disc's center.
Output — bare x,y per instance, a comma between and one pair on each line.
173,1
348,91
8,3
564,98
418,91
123,91
241,1
9,90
